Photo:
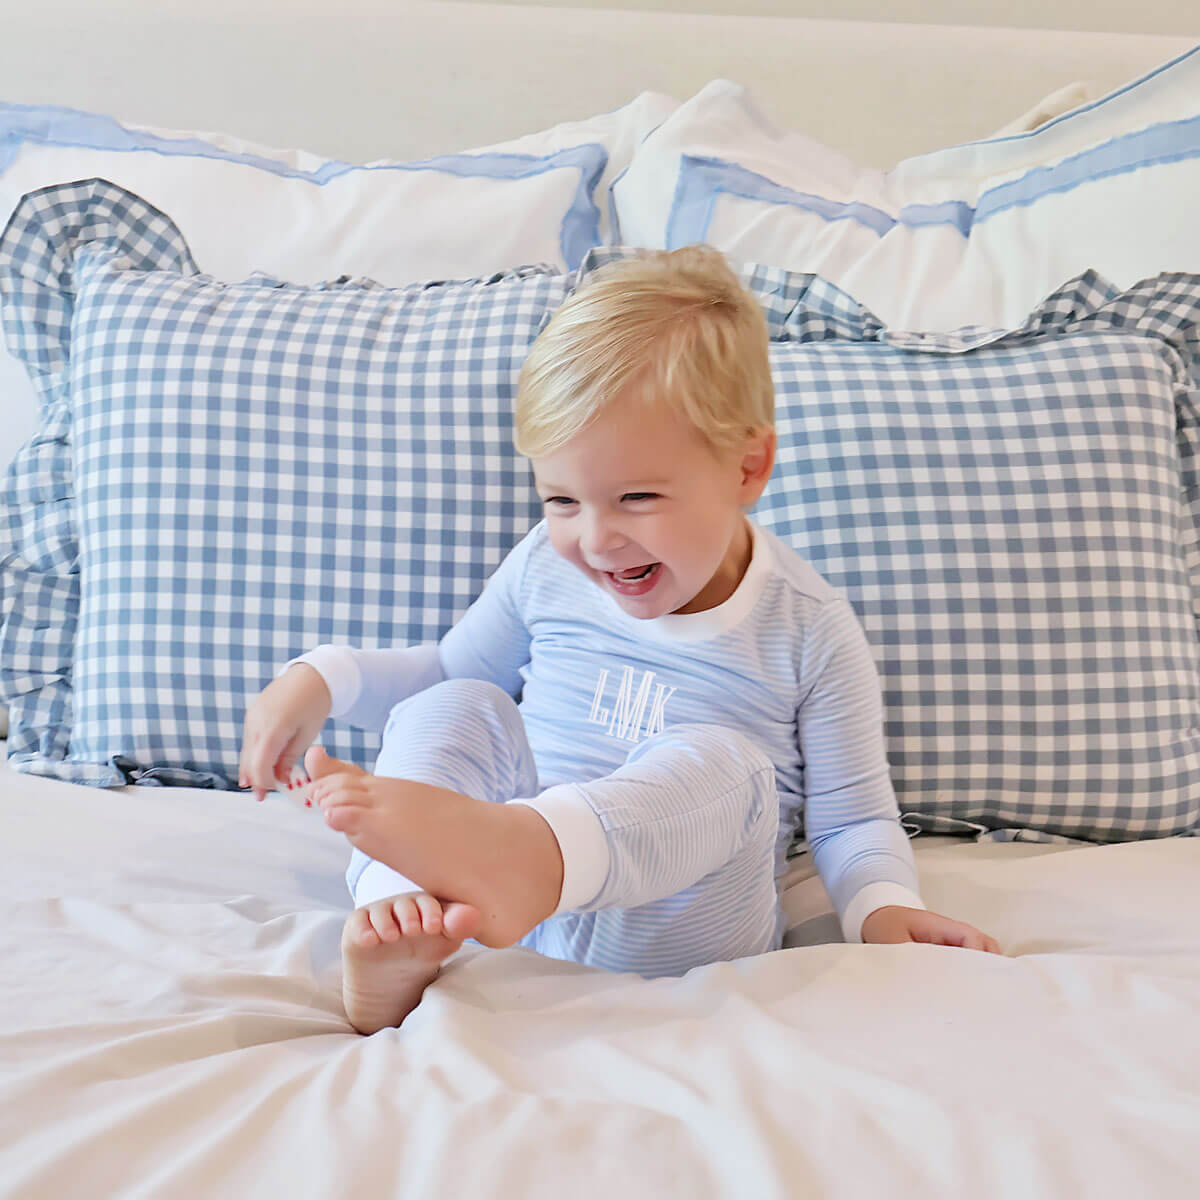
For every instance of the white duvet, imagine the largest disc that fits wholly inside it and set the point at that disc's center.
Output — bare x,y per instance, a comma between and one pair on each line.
171,1026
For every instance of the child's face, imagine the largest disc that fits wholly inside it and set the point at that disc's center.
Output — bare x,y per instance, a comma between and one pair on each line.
639,488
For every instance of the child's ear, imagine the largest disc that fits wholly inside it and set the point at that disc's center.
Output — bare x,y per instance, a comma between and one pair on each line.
758,458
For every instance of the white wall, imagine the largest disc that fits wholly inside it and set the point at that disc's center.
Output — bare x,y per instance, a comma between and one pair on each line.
401,79
1104,16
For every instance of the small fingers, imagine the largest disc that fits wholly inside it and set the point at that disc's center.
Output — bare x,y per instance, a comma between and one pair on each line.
976,940
250,740
282,771
245,772
263,778
275,780
944,931
260,770
257,781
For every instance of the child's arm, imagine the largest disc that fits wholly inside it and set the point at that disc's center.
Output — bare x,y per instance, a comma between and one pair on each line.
365,685
851,818
490,641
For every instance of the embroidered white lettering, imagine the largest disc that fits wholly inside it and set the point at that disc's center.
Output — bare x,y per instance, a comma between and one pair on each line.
598,715
628,709
656,722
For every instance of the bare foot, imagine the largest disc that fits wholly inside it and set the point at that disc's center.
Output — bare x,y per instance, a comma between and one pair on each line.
317,763
392,950
502,859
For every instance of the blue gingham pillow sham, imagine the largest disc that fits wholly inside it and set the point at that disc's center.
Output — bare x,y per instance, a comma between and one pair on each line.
1013,515
1007,514
937,480
805,308
229,474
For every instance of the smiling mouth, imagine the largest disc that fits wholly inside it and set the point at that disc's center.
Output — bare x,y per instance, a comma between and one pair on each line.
636,581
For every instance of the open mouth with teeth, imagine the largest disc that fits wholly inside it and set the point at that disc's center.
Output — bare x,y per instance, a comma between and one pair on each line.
635,581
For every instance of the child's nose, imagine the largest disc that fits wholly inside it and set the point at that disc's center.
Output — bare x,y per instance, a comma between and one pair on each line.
600,536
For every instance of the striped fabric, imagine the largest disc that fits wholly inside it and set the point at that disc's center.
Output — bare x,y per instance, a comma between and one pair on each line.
689,822
781,664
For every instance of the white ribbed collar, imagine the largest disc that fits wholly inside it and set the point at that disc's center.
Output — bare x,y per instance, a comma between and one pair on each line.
712,622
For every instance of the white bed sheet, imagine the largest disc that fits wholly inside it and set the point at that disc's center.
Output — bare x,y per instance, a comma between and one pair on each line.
171,1025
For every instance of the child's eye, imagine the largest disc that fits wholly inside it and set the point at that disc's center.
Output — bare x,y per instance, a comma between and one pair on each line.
640,496
558,500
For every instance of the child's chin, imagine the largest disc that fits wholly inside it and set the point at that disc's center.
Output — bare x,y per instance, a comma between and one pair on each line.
644,609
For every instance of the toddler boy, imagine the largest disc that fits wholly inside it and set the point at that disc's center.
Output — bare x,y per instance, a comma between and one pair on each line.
689,687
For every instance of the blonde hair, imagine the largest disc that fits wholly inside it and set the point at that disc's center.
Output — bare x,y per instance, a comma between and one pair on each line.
672,327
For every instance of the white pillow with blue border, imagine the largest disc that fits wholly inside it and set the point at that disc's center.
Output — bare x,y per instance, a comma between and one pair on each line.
244,207
977,234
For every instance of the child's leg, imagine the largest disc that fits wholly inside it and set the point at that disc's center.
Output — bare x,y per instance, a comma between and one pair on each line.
463,734
690,821
669,861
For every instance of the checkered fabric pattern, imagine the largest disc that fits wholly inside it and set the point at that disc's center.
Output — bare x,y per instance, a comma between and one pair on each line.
228,474
1015,516
803,307
231,474
1007,516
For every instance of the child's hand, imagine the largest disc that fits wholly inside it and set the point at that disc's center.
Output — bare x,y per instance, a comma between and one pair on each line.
281,723
894,923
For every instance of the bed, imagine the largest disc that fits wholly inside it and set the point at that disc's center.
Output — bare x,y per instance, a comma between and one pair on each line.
171,1012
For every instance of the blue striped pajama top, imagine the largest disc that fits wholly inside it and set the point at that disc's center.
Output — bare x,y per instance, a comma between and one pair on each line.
783,660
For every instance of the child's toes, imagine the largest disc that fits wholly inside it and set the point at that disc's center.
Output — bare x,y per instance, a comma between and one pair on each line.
318,763
430,909
359,930
408,915
460,920
384,921
343,818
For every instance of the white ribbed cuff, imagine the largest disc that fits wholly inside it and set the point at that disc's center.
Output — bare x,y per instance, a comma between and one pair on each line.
871,897
581,841
335,665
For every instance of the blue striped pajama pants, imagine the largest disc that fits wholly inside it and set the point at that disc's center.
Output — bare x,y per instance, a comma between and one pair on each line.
690,820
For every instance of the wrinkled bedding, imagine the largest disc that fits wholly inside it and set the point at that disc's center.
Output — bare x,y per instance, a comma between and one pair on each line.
171,1025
